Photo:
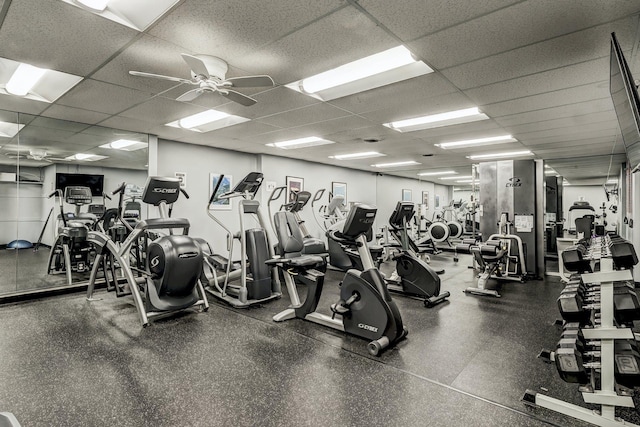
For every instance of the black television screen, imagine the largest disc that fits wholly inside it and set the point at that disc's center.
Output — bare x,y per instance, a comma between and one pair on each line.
625,101
94,182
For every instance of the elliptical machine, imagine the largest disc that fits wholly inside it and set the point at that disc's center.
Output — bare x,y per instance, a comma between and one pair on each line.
415,277
171,279
365,309
71,252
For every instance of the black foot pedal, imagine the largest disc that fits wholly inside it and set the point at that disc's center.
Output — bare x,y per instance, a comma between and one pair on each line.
529,398
545,356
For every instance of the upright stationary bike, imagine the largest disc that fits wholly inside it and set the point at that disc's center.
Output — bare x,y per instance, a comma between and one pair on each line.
365,308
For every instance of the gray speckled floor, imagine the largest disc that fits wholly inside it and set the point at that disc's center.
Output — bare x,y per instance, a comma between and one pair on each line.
466,362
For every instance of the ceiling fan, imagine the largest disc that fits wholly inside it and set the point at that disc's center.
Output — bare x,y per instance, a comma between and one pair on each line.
208,74
34,154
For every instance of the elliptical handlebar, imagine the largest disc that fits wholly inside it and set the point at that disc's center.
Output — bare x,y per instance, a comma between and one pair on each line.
119,189
58,192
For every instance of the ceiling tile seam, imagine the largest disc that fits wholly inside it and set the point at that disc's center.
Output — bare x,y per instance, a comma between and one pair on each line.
541,41
163,16
560,118
548,92
4,11
544,108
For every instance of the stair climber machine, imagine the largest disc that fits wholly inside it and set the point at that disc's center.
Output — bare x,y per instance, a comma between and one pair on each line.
413,276
365,308
170,281
299,200
71,252
256,282
501,257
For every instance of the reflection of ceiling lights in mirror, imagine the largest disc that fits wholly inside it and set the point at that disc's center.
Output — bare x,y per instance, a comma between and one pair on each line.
39,84
309,141
125,145
457,177
501,155
395,164
9,130
355,156
475,142
95,5
138,14
207,121
23,79
550,172
380,69
86,157
438,120
464,181
437,173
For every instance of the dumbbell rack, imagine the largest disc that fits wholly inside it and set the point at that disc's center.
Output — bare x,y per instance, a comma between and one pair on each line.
607,333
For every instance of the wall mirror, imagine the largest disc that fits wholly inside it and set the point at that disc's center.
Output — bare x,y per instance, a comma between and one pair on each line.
38,155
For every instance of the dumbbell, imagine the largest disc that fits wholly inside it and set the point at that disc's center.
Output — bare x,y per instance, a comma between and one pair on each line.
627,363
570,365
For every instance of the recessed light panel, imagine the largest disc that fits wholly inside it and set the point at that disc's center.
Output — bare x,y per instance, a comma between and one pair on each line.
310,141
477,142
437,173
501,155
39,84
355,156
206,121
395,164
431,121
138,14
457,177
85,157
125,145
9,130
383,68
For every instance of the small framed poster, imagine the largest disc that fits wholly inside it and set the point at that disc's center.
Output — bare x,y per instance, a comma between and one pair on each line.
425,199
225,186
406,195
294,185
339,189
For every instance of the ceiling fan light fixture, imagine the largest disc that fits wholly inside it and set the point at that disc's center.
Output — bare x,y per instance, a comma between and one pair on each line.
310,141
24,78
431,121
94,5
356,156
479,141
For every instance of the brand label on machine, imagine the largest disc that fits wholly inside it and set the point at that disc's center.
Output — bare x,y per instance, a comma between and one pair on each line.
367,327
514,182
155,261
165,190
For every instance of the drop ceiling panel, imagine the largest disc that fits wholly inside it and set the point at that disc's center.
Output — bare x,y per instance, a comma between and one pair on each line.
62,112
127,123
270,102
438,104
328,127
549,81
585,129
603,119
58,36
334,40
233,29
22,105
411,93
160,111
305,115
551,54
549,113
472,130
33,133
247,130
555,153
520,25
607,135
102,97
150,55
582,143
410,19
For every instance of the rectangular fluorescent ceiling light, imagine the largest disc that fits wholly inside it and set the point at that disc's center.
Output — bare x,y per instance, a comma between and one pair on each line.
464,181
361,155
395,164
550,172
449,118
457,177
9,130
612,181
475,142
207,121
309,141
85,157
436,173
138,14
381,69
501,155
30,82
125,145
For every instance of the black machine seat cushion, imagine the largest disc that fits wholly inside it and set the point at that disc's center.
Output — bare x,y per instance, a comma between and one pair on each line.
305,261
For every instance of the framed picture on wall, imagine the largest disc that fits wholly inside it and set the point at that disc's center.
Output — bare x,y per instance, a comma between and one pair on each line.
225,186
437,201
425,199
339,189
406,195
294,185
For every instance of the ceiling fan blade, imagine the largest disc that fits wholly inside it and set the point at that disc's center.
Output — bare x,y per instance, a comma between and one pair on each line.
245,100
251,81
160,76
196,64
189,96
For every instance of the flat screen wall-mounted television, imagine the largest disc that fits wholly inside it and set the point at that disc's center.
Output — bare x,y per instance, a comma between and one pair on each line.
94,182
626,101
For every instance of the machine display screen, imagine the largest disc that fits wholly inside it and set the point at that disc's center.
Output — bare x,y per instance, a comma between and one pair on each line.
94,182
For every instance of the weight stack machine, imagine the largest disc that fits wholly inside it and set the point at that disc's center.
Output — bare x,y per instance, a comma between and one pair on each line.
515,187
